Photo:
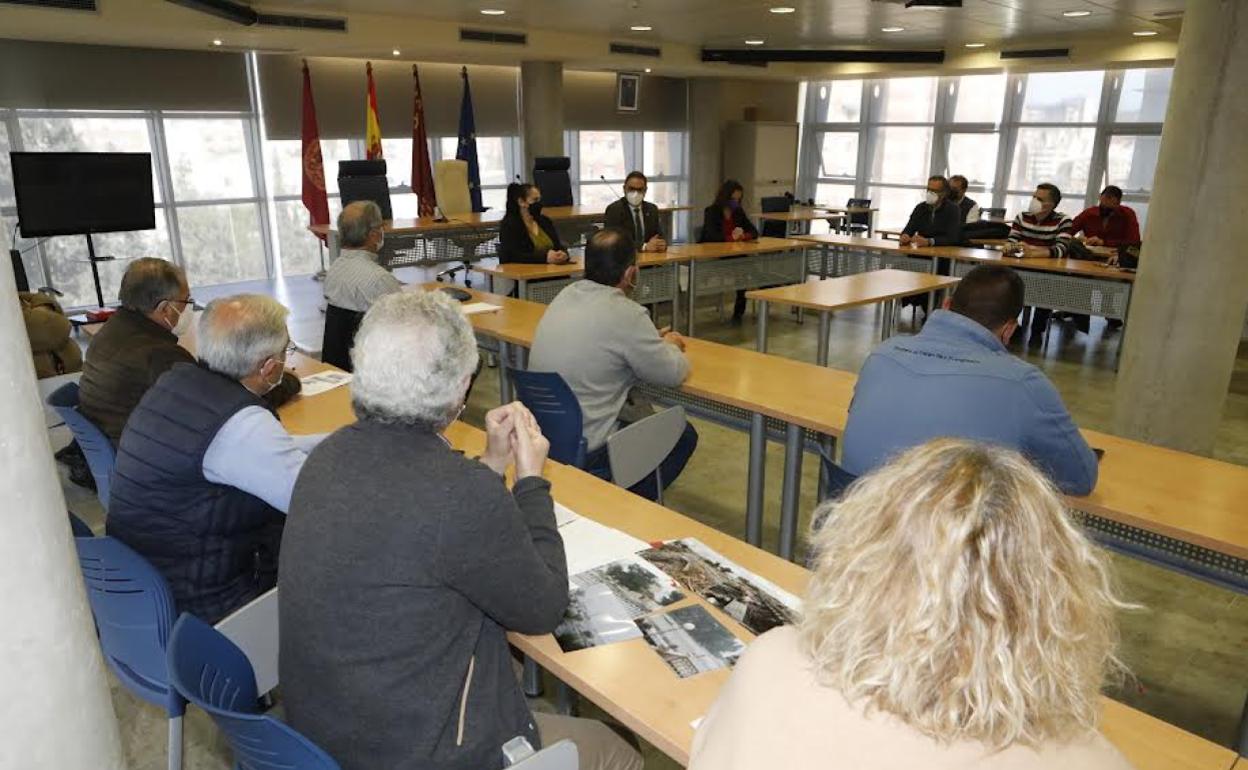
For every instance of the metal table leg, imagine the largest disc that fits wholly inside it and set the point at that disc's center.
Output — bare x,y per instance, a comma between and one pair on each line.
825,332
505,395
522,357
523,291
761,342
693,297
755,480
791,494
886,325
675,295
532,684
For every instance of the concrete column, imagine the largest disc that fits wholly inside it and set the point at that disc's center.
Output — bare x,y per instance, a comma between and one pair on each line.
56,710
541,110
706,129
1189,297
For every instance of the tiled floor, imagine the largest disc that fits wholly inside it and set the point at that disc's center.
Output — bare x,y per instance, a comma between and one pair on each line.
1187,646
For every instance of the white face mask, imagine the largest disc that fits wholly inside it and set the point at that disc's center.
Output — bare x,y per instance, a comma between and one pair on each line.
1036,206
381,240
932,198
634,197
185,316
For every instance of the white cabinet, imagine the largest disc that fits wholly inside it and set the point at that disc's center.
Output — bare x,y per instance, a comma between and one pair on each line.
762,156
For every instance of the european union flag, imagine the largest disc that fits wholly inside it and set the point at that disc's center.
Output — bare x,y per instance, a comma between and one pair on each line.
467,149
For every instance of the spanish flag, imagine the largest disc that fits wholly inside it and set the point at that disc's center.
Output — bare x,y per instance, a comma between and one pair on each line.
372,124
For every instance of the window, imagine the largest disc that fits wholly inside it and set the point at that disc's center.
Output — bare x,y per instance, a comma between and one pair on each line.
841,101
498,160
1132,161
6,169
298,251
1061,156
979,99
974,156
663,153
838,156
600,155
907,100
1062,97
1144,95
894,204
902,155
208,159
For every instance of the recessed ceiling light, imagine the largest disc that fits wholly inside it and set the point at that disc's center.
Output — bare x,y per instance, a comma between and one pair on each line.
647,70
1144,33
216,42
640,28
892,29
782,9
395,52
754,41
493,11
1076,14
975,45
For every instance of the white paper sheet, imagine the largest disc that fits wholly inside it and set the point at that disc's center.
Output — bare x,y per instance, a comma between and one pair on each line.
315,384
472,308
589,544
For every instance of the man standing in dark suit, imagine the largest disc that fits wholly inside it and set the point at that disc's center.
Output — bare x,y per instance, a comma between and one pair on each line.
634,214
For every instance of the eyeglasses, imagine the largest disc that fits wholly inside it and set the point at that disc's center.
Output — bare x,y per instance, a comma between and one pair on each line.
187,301
291,348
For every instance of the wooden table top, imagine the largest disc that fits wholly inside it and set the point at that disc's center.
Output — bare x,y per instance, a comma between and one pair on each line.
695,252
485,219
1191,498
1066,266
858,242
996,243
630,682
847,209
525,271
854,290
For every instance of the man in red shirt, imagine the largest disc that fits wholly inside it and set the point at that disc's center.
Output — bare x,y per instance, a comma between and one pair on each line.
1110,223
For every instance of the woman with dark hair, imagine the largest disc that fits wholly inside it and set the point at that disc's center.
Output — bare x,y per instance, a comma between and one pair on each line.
725,221
525,235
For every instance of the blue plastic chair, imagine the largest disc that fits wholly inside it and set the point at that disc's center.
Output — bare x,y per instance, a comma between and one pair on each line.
134,612
79,527
97,447
558,413
210,671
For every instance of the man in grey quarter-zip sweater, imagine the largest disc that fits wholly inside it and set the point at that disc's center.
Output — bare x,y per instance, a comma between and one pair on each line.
408,563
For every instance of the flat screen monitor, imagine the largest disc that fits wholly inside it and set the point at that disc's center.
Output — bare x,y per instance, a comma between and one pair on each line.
76,193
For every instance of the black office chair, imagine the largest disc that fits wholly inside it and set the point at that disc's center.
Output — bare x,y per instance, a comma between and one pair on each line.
775,204
857,223
340,328
550,174
992,215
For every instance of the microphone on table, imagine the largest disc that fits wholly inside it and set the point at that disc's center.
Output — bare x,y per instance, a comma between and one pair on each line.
607,184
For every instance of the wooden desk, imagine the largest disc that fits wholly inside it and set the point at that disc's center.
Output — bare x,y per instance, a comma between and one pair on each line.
658,282
840,255
718,267
797,220
851,210
1188,498
632,684
798,395
482,223
831,294
998,243
889,234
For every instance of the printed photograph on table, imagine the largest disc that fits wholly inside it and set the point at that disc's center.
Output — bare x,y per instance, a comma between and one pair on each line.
605,601
690,641
755,603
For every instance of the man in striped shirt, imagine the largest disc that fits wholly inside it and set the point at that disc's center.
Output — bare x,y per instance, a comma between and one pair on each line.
1042,231
354,280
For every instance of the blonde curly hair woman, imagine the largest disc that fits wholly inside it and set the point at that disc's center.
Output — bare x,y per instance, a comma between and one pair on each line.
955,618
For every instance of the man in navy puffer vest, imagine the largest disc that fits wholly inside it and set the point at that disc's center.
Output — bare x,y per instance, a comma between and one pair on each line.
204,469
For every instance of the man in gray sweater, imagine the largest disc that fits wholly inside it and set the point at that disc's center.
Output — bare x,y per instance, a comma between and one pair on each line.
603,344
405,564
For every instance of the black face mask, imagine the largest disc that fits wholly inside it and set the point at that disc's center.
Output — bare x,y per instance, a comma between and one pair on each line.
1106,210
535,209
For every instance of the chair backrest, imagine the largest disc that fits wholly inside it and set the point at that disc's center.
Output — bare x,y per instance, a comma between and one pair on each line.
994,215
340,328
134,611
859,203
210,671
773,204
450,185
635,451
550,174
79,527
558,413
559,756
96,446
838,479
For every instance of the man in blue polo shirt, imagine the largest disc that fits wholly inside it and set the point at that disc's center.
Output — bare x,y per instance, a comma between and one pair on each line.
956,378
